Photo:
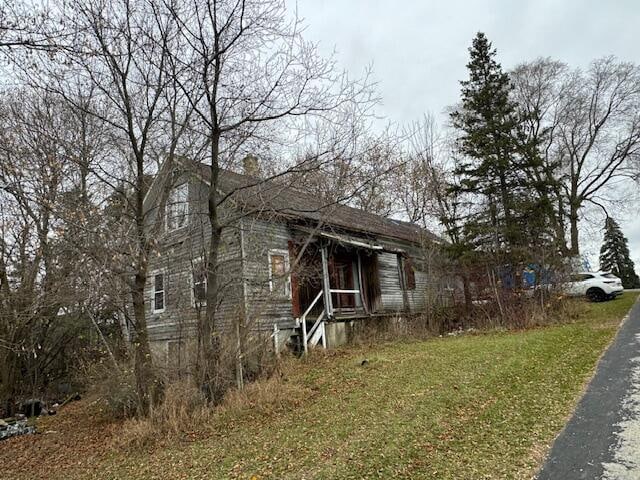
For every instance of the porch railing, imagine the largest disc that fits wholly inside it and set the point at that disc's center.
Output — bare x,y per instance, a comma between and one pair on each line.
352,292
316,333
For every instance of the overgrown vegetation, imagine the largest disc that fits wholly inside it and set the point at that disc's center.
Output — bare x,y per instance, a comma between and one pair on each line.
464,406
102,97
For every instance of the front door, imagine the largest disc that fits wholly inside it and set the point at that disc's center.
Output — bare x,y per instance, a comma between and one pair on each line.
371,282
342,279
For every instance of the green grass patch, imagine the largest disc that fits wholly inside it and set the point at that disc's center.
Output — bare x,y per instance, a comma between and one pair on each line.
606,313
473,406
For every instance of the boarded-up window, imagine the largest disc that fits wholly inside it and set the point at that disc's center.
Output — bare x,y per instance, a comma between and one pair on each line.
409,274
175,354
178,207
158,292
279,278
199,282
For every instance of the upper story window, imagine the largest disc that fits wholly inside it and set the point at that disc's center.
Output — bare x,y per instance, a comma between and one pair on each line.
199,282
178,207
279,277
158,292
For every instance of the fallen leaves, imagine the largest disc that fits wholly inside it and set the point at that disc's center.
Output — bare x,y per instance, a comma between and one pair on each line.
469,406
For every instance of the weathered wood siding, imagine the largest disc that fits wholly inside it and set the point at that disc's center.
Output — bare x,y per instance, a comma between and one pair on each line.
175,255
264,308
427,286
244,270
390,288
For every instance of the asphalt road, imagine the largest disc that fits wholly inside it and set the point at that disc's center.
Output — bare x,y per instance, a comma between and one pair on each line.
602,439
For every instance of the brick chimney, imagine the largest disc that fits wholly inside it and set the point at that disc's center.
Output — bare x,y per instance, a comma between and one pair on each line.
251,166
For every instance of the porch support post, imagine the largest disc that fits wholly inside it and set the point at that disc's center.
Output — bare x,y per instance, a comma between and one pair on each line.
361,285
326,284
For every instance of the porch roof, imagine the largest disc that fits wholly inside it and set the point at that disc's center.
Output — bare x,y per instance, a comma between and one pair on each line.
349,240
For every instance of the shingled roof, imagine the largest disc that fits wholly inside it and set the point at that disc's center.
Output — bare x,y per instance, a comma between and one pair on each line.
278,196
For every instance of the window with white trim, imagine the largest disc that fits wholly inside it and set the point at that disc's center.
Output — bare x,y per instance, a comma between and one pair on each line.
158,292
178,207
279,275
199,282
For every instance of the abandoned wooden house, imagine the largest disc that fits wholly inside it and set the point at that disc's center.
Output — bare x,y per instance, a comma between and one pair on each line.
291,266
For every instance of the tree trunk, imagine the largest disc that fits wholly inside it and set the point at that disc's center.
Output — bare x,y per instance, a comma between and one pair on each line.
209,340
574,248
147,385
8,364
511,236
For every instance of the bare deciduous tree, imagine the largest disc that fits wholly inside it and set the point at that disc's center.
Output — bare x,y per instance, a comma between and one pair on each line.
426,195
588,124
38,190
245,68
118,51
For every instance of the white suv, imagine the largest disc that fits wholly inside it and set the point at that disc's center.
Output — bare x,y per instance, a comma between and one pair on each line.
596,286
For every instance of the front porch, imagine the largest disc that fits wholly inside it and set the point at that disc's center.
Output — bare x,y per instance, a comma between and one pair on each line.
335,278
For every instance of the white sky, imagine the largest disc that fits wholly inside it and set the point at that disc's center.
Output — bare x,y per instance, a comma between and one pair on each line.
418,49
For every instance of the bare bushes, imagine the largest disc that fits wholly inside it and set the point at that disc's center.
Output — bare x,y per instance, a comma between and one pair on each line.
184,412
114,385
520,310
182,409
241,358
512,310
378,329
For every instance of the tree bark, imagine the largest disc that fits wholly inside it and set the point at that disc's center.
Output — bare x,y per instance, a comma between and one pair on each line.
147,385
146,381
574,247
468,302
208,336
8,364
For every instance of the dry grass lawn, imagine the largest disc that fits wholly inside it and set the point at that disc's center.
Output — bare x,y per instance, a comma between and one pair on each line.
480,406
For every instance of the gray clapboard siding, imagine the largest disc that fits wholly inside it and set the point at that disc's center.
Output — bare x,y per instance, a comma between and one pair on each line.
264,308
390,287
244,269
177,251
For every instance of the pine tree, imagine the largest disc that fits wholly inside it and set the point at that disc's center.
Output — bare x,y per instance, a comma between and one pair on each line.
497,156
615,257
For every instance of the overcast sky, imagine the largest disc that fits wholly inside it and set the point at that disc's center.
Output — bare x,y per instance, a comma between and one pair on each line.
418,48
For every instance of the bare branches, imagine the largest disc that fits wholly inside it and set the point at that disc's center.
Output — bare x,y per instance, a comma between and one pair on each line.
588,125
28,26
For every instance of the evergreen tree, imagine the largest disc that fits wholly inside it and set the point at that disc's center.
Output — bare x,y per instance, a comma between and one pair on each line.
497,156
615,257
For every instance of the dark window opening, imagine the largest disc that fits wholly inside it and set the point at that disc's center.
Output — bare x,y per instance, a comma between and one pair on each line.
580,277
409,273
199,282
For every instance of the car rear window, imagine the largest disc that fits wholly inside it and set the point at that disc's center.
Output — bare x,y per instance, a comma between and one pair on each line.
580,277
609,275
